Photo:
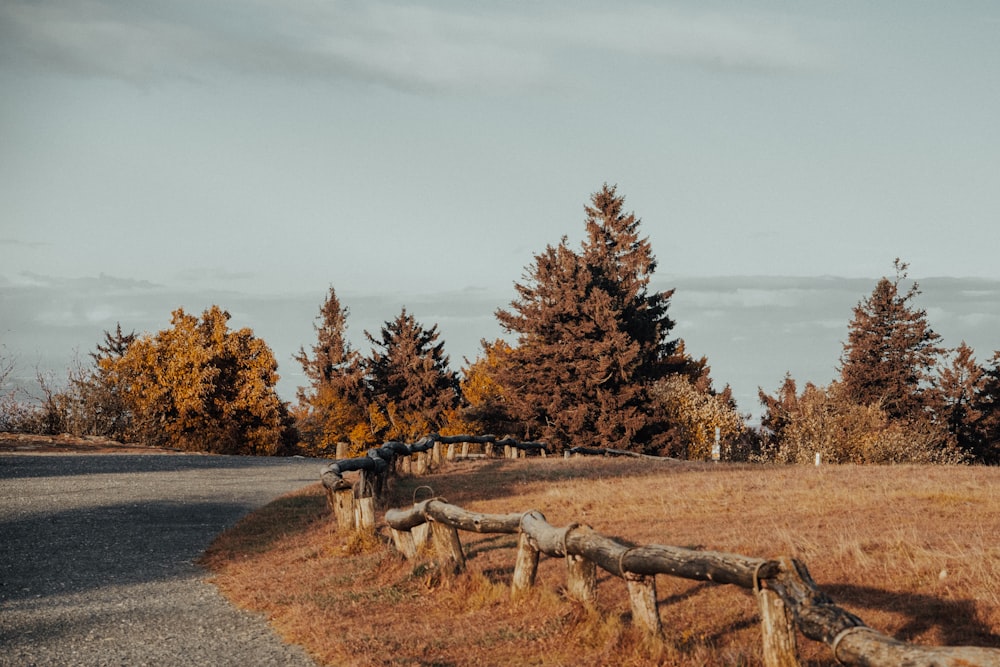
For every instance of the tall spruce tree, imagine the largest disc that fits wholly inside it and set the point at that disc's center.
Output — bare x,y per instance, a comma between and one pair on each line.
986,407
333,406
891,351
591,337
411,383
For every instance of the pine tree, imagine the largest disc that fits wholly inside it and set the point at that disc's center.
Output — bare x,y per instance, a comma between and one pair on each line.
591,338
986,406
961,382
891,351
412,386
334,404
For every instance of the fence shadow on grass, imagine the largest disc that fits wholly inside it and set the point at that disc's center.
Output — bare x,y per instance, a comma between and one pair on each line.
956,620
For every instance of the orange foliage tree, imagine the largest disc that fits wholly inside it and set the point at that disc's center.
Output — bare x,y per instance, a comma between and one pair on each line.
200,387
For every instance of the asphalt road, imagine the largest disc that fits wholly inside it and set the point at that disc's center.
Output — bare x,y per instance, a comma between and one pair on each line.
97,559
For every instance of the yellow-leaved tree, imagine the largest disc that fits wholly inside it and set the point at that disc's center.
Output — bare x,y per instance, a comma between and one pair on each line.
198,386
694,414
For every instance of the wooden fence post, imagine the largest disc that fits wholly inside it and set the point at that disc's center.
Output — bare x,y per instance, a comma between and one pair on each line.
364,514
778,628
525,566
421,535
448,547
489,450
465,450
421,463
436,454
403,539
343,508
581,579
451,451
642,596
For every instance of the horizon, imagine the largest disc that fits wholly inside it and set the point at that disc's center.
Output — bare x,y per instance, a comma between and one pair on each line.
752,329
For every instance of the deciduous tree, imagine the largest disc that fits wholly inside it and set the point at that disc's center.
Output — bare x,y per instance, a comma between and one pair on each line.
199,386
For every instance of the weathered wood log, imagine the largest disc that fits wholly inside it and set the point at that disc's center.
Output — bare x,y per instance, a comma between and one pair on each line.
864,646
421,536
642,598
602,451
604,551
448,547
581,579
550,540
364,514
343,508
722,568
450,456
815,613
405,544
434,509
777,626
525,566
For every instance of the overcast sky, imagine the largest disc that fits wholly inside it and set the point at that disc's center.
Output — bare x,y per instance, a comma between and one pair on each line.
400,148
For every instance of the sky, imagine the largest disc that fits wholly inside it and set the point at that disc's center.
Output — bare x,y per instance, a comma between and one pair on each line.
258,151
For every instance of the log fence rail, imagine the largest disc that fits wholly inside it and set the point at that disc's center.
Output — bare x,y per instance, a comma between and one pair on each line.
789,599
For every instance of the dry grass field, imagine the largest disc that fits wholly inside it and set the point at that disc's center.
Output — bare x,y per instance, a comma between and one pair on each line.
912,550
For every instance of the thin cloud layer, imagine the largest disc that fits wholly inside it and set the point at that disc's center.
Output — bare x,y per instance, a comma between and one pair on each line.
403,46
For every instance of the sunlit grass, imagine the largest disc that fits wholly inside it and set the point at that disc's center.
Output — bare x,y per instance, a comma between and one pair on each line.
910,549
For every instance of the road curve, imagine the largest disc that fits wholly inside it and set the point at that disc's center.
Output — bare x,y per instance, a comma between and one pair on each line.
97,559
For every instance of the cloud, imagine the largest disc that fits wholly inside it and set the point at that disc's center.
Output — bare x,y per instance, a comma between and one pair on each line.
404,46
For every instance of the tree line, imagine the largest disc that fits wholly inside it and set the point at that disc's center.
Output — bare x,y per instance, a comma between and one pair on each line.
587,359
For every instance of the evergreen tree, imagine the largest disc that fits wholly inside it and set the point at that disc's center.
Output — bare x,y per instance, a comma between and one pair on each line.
986,405
102,402
591,338
333,407
891,351
412,387
961,382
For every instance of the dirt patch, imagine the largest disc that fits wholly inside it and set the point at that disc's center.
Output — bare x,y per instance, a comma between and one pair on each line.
26,443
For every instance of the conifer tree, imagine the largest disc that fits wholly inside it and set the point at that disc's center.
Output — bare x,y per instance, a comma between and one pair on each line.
333,406
411,384
986,406
961,382
591,337
891,351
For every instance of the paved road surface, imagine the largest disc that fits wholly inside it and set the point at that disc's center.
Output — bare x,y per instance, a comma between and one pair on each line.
97,559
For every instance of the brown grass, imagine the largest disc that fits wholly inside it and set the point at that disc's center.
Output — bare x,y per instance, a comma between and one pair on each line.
912,550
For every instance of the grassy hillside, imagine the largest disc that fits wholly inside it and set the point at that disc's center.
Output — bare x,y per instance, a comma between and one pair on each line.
912,550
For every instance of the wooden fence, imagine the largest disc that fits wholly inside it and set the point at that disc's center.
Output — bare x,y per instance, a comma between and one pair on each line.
788,597
354,504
